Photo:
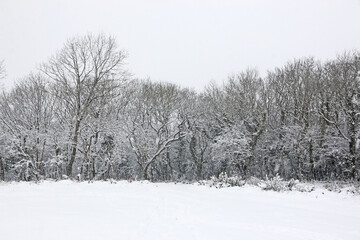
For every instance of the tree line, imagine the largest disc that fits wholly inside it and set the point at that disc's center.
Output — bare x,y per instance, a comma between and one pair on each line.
83,116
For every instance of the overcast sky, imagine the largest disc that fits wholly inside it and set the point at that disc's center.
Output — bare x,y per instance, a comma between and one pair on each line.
189,42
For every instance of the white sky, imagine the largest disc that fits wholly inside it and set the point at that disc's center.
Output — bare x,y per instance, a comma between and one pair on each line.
189,42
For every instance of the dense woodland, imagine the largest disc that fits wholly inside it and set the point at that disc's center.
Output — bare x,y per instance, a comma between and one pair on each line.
83,116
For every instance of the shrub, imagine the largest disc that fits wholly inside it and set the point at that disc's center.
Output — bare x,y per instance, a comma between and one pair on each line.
276,183
225,181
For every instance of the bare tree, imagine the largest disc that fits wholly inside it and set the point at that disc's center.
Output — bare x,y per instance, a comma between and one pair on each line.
26,114
199,137
238,106
343,114
87,70
151,122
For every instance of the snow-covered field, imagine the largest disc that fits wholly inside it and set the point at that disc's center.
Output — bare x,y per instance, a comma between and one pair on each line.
142,210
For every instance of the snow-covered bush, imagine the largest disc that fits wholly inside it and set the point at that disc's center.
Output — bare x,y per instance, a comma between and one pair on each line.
253,181
302,187
273,184
224,181
276,183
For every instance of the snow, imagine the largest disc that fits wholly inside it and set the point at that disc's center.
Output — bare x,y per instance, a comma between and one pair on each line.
143,210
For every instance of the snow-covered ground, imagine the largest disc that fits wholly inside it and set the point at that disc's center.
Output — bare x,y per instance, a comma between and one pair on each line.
142,210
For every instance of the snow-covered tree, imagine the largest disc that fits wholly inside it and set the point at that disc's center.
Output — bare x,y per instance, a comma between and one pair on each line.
151,122
87,70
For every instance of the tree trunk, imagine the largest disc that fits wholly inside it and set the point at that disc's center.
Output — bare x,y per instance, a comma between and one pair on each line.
2,170
352,149
145,172
352,135
74,149
199,171
311,160
41,167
